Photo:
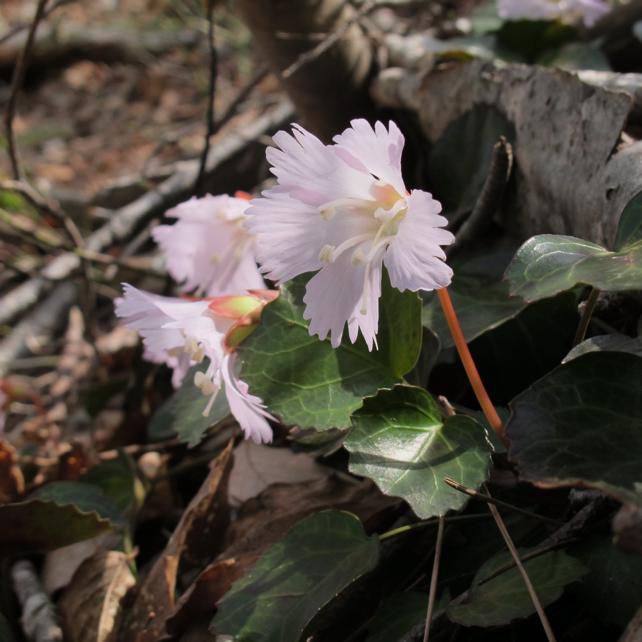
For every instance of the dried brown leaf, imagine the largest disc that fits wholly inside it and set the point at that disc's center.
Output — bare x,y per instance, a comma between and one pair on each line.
92,604
203,521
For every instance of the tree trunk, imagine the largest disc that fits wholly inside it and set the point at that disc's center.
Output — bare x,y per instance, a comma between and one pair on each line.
332,87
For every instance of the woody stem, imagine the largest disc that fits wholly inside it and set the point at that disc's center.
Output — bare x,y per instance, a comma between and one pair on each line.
469,365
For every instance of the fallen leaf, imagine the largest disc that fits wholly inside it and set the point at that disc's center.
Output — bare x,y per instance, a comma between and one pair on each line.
202,522
257,467
91,607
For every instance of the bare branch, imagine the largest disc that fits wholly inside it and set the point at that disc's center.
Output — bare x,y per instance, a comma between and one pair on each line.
16,84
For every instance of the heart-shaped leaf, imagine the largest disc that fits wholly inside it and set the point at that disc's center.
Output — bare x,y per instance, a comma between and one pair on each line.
582,425
400,441
303,380
551,263
318,558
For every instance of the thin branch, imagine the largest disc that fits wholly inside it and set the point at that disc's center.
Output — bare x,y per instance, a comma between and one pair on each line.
16,84
587,313
314,53
243,94
210,126
432,594
471,492
402,530
20,28
546,625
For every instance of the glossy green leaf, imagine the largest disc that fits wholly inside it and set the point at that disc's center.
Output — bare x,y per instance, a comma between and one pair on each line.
318,558
551,263
400,441
305,381
606,343
629,229
39,525
182,414
504,598
582,425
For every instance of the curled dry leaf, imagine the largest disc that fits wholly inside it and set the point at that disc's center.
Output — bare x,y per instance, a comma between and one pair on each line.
92,604
195,536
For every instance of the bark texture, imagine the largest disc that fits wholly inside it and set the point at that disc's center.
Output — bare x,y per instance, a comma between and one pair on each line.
574,175
331,88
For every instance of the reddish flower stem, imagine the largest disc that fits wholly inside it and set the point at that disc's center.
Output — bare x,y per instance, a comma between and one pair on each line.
469,365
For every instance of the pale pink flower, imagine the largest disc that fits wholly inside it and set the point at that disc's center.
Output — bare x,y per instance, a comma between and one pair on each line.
343,211
183,333
208,250
571,11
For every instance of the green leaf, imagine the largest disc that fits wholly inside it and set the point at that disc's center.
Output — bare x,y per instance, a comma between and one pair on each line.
459,160
400,441
479,296
296,578
118,480
86,497
398,615
582,425
182,413
531,38
303,380
629,229
518,352
504,598
613,588
39,525
606,343
551,263
400,329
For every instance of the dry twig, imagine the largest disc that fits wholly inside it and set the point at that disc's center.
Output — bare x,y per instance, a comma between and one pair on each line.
550,636
432,595
16,84
210,126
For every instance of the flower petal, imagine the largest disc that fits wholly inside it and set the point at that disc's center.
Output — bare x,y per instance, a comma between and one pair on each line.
414,259
289,235
247,409
338,294
375,151
208,250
